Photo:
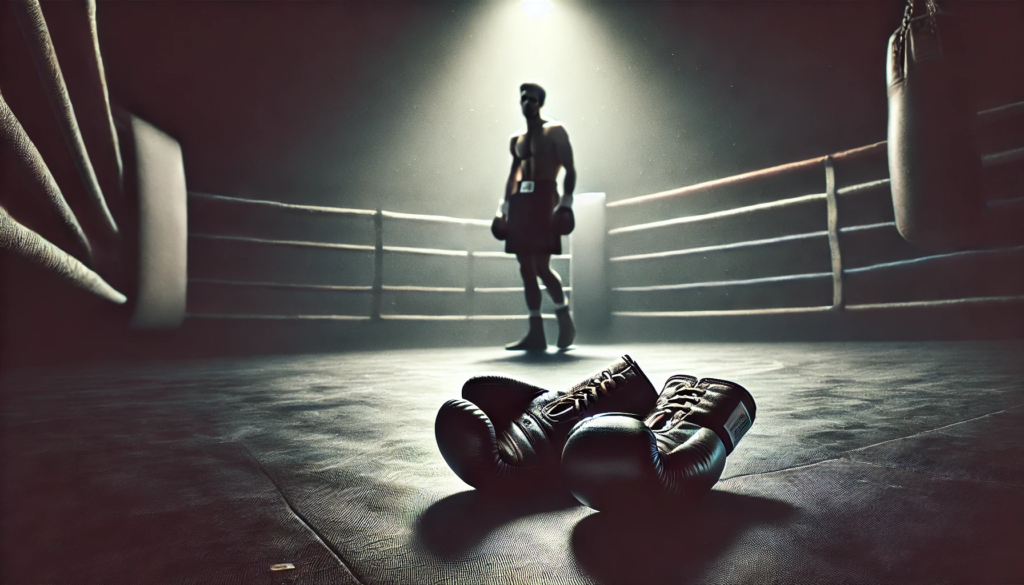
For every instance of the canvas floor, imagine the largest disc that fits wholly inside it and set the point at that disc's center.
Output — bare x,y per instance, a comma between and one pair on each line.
867,463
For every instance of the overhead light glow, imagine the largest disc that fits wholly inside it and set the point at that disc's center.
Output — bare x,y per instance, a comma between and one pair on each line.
458,122
536,8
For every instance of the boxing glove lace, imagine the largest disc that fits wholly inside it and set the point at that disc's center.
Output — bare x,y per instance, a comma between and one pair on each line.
621,462
508,434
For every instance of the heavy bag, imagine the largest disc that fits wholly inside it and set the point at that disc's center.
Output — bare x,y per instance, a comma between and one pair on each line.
934,164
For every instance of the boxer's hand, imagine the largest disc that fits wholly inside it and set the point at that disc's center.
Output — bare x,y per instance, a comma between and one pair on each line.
565,201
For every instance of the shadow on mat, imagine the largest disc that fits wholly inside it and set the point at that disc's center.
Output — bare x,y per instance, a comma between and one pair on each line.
459,522
668,545
561,356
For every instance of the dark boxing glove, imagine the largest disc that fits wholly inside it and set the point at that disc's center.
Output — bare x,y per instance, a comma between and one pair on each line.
619,462
499,227
563,221
507,434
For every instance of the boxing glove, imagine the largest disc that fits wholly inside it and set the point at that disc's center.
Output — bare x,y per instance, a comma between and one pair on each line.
504,434
563,221
499,227
625,463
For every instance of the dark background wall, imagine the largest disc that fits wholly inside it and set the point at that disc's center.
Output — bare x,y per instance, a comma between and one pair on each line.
409,104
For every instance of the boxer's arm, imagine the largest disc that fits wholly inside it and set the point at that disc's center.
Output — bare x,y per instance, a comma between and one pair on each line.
564,150
513,175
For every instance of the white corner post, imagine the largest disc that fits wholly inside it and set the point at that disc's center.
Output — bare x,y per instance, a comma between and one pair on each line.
163,233
587,273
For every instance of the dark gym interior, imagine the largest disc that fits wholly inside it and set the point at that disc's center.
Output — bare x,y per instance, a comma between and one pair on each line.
245,260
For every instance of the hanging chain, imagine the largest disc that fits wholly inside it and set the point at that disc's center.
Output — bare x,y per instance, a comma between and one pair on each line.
933,9
908,14
901,35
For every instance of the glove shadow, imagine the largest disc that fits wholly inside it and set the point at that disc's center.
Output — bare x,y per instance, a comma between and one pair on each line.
458,523
668,545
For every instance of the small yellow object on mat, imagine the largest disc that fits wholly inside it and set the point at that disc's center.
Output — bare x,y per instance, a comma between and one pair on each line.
282,567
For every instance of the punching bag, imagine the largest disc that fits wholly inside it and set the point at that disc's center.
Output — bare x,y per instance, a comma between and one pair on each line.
934,164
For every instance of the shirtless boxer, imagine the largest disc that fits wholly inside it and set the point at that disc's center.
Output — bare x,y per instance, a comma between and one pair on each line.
531,197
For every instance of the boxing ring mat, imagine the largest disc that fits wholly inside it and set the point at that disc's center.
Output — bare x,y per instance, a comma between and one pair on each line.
868,462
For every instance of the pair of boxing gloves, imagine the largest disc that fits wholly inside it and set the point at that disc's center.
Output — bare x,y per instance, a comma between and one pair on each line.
612,440
563,221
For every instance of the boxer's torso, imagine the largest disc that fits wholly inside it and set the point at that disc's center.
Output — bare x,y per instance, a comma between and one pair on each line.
538,151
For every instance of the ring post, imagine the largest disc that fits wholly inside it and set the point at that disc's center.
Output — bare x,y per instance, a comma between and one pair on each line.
589,298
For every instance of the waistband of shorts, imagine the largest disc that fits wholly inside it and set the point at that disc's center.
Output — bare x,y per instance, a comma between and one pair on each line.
540,187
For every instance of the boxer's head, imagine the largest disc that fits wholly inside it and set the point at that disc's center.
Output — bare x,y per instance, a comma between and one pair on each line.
531,98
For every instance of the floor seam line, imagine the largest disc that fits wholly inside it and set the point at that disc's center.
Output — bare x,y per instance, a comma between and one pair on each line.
843,455
812,464
934,430
302,518
949,477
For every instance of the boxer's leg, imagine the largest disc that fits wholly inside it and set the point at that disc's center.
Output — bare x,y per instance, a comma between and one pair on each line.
528,270
550,278
535,336
566,328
